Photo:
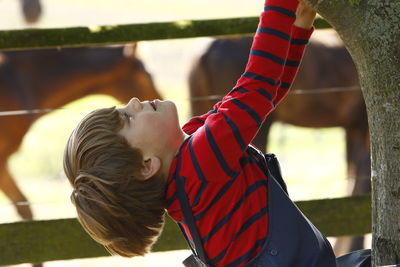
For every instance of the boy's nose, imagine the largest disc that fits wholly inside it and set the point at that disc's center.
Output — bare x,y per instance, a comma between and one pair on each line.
135,104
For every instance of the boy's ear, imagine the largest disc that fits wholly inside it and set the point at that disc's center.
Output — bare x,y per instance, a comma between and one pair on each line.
151,166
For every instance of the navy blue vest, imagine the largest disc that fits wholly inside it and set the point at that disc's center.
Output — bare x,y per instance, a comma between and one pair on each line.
293,241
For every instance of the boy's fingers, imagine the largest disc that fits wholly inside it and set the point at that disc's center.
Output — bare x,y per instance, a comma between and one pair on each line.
304,9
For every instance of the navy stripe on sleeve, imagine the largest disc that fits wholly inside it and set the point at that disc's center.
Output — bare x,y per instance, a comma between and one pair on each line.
292,63
264,93
199,120
249,110
274,58
270,56
285,85
298,41
281,10
274,32
258,77
236,133
228,216
218,154
240,90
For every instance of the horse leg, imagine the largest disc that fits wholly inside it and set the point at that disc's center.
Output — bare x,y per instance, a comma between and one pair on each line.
362,183
11,190
359,169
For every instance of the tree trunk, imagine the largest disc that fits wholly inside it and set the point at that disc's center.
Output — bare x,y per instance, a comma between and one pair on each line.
370,30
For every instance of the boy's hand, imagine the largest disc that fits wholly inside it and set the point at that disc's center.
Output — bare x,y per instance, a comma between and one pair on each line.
305,16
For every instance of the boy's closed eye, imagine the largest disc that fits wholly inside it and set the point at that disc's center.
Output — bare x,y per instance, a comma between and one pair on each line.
127,116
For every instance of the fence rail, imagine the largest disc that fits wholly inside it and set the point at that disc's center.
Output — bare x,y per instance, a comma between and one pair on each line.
40,241
117,34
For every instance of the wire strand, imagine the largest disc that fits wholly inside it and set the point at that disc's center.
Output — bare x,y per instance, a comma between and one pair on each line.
198,98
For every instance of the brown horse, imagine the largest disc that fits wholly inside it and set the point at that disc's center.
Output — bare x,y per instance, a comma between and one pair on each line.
43,79
326,64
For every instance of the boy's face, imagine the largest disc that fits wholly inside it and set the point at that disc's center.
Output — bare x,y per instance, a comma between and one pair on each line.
152,126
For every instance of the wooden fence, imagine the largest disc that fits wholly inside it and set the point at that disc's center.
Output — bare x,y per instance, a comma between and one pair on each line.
41,241
106,35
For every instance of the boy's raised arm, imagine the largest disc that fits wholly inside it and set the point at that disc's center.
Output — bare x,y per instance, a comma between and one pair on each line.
270,46
300,34
229,128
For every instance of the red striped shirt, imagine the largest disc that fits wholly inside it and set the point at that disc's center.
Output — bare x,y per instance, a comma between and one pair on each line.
226,189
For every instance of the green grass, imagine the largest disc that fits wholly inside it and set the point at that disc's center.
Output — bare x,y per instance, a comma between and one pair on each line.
312,160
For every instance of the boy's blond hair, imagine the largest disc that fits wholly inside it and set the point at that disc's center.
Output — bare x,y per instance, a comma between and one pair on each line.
118,210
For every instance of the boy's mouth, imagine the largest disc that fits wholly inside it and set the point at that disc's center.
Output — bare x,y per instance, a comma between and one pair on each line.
153,104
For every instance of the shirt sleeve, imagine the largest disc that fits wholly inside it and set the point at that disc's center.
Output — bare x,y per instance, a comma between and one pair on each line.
220,137
298,40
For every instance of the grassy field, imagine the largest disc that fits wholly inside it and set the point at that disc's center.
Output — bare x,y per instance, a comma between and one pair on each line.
312,160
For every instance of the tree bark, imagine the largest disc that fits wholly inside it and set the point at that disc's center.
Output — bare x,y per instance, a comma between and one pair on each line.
370,30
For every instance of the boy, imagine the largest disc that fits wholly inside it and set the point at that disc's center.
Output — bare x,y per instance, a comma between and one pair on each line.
128,165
